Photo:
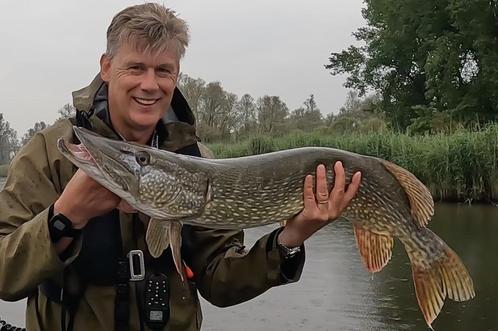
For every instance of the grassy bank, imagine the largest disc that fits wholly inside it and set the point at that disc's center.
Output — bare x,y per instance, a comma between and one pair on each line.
457,167
3,170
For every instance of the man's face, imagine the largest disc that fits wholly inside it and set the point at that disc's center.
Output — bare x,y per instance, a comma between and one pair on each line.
141,86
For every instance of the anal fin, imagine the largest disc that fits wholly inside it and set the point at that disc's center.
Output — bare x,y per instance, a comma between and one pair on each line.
375,249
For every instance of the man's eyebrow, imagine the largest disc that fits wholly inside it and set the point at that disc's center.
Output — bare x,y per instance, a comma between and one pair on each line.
165,66
133,63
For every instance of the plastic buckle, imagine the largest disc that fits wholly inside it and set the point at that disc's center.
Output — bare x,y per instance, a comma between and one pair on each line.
140,275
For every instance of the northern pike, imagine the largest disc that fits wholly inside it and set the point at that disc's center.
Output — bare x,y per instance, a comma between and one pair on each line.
252,191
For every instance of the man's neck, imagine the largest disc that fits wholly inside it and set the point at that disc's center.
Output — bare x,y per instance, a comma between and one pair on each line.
137,136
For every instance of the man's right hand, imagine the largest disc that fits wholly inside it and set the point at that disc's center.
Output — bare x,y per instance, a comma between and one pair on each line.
84,198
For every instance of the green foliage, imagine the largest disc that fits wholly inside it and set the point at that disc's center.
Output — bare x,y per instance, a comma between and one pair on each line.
436,55
460,166
261,145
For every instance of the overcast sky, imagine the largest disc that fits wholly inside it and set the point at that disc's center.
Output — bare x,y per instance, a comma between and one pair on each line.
274,47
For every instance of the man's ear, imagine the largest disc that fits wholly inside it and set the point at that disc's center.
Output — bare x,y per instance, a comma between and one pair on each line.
105,68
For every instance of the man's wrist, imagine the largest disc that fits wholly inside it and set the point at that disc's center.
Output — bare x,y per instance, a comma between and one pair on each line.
77,221
287,239
59,227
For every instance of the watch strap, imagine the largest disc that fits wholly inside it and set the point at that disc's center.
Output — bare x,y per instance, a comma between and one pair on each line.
61,226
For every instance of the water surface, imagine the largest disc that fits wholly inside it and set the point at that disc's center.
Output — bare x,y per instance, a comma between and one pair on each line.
337,294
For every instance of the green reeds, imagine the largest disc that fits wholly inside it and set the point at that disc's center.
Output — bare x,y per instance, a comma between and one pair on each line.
462,166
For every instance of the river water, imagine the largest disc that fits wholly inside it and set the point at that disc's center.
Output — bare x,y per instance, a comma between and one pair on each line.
336,293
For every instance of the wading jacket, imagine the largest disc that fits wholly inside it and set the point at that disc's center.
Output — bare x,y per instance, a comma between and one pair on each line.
224,272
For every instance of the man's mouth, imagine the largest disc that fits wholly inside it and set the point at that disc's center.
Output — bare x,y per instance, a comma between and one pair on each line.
145,101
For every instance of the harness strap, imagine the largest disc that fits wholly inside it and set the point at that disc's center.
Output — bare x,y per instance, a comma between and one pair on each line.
121,303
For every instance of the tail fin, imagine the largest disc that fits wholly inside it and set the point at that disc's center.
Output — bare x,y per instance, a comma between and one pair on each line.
447,276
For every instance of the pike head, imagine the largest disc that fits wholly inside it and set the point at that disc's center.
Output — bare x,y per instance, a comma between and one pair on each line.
158,183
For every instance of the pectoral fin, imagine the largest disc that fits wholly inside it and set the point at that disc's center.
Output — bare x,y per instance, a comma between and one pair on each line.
157,236
175,235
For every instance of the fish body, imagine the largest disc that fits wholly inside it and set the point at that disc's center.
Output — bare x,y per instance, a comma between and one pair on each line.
252,191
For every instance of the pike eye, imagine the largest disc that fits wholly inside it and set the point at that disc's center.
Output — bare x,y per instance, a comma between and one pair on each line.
143,158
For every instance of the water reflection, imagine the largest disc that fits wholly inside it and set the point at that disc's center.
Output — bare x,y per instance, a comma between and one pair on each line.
337,294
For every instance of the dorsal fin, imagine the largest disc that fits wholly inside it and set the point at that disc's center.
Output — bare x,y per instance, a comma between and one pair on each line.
419,196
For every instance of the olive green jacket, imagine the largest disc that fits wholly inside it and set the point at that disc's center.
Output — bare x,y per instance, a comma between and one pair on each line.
224,272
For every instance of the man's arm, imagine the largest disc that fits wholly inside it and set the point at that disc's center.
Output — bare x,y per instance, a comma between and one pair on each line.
27,256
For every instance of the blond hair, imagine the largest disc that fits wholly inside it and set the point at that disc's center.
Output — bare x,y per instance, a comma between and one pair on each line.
149,27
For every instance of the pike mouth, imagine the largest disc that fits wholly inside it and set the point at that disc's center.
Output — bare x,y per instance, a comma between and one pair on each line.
81,153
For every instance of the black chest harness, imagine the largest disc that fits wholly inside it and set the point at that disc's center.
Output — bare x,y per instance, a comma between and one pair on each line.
103,261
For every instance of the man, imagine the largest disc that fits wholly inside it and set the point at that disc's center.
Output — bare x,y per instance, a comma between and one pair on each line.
64,238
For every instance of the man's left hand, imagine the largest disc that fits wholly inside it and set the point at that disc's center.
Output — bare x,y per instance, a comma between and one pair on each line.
321,208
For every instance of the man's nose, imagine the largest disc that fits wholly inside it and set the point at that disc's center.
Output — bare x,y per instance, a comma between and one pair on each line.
149,80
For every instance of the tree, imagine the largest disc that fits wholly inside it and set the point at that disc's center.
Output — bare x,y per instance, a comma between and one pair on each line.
437,54
246,117
31,132
216,114
9,144
193,90
307,118
352,104
67,111
272,113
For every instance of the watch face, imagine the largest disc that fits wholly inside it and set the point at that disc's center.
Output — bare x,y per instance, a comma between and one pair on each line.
59,225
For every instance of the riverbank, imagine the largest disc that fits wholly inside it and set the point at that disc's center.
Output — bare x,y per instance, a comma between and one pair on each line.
460,167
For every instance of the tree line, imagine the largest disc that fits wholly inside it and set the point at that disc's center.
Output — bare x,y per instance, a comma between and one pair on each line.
222,116
10,142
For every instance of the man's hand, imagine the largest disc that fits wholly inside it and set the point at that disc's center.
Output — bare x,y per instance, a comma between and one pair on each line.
321,208
84,198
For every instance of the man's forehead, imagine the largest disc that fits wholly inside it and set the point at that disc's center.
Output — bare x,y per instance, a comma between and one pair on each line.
133,50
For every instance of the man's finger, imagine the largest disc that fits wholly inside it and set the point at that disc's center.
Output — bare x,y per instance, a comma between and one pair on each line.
352,189
309,196
125,207
337,194
322,191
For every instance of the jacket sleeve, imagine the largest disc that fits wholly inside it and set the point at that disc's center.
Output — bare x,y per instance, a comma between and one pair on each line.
27,256
226,274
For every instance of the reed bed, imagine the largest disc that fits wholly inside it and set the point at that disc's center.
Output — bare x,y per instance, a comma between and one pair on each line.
459,167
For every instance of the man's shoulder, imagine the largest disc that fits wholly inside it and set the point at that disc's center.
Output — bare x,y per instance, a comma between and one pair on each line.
61,128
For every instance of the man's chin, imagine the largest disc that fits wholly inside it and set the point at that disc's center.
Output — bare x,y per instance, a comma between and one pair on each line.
144,121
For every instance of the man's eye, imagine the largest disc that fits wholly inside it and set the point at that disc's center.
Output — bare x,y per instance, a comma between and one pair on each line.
135,68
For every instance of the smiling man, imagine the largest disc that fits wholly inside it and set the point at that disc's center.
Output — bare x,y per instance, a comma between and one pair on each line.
78,253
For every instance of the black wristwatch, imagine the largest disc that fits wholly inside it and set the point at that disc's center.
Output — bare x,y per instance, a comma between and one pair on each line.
288,252
60,226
